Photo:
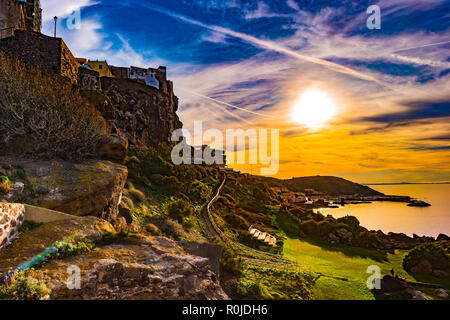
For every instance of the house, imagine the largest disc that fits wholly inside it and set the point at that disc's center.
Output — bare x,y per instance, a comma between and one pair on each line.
156,78
101,67
19,15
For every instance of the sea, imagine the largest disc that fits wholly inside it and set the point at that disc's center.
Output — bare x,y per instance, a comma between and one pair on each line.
398,217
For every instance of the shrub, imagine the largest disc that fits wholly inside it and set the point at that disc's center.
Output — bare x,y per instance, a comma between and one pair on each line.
28,225
350,221
4,187
44,115
435,254
237,221
152,229
136,194
24,287
179,210
230,260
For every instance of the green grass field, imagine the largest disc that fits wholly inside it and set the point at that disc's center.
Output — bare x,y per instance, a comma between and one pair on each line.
342,262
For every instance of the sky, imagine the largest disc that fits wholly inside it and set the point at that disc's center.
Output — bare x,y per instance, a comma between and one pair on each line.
245,64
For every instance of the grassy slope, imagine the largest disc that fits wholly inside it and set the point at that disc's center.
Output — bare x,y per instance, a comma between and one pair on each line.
342,261
330,185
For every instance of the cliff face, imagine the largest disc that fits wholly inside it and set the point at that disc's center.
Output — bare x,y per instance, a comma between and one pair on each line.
144,115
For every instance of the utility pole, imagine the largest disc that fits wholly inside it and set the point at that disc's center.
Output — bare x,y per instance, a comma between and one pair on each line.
56,20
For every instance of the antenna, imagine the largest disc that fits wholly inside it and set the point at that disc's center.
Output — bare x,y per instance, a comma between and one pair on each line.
56,20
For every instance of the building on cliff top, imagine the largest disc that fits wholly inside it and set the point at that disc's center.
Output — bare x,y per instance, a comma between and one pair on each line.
101,67
19,15
156,78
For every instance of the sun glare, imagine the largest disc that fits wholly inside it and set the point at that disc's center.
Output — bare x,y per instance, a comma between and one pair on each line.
313,109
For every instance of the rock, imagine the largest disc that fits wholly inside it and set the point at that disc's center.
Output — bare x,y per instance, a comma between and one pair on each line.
89,188
345,235
423,267
332,238
442,237
441,293
114,148
35,241
208,250
11,218
398,288
126,214
144,115
135,268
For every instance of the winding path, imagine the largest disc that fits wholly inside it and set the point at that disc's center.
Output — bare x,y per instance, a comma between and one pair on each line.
248,254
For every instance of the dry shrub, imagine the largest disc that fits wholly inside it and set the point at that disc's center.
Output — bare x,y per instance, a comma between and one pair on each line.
4,187
44,116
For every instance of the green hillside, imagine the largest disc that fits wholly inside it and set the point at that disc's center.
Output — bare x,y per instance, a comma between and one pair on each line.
333,186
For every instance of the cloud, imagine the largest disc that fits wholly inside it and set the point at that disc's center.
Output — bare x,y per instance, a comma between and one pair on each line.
62,9
263,11
264,44
420,109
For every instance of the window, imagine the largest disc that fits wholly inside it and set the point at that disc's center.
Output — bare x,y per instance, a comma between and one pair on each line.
100,66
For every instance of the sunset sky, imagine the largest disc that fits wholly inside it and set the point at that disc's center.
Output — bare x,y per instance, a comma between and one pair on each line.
244,64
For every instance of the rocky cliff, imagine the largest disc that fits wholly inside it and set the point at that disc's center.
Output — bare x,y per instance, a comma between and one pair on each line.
144,115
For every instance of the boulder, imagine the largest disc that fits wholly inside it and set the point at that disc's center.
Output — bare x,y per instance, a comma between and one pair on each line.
114,148
423,267
441,293
91,188
35,241
332,238
397,288
141,268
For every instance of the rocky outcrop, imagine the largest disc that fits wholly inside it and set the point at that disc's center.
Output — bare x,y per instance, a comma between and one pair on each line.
144,115
429,259
31,243
11,218
134,267
396,288
143,268
92,188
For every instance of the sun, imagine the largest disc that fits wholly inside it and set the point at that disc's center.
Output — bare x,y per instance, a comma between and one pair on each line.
313,109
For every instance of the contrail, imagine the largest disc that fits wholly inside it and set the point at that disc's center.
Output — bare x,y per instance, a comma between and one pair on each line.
424,46
225,103
265,44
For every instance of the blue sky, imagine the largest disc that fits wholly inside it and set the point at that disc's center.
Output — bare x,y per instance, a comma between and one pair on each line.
391,85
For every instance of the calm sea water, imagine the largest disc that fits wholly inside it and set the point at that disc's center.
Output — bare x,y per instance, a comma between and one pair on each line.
398,217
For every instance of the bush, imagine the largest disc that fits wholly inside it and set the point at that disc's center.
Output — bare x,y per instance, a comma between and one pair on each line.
44,115
237,221
179,210
4,187
23,287
350,221
136,194
435,254
152,229
28,225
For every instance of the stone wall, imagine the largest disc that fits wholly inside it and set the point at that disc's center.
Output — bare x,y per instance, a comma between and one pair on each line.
11,218
69,65
50,54
88,79
11,17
